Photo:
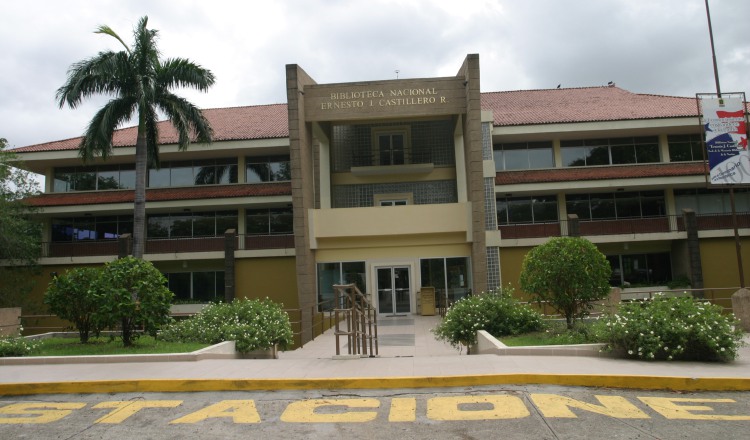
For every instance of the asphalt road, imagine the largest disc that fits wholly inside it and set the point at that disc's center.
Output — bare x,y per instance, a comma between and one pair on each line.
507,412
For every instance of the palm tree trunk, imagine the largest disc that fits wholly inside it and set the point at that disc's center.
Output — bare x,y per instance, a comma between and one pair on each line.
139,210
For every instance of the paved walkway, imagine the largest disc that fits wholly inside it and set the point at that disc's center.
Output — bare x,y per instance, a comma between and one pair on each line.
409,357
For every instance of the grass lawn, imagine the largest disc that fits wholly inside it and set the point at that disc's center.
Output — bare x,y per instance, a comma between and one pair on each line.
555,334
105,345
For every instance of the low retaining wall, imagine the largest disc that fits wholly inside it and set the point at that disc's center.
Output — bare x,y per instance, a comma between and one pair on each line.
10,321
488,344
223,350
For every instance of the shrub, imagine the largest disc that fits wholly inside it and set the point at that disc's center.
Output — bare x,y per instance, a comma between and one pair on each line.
679,282
677,328
133,294
16,346
252,324
72,296
496,312
569,274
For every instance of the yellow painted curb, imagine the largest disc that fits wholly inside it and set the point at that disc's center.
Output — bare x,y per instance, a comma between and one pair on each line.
192,385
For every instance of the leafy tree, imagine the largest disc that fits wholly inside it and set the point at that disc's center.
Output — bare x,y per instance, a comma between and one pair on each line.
569,273
73,296
133,294
139,83
19,234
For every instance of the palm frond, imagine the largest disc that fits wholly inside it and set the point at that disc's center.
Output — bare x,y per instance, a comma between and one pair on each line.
186,118
106,30
180,72
150,125
97,140
101,74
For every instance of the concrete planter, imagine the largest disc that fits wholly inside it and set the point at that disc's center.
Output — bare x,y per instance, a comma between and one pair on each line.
631,293
185,309
271,353
488,344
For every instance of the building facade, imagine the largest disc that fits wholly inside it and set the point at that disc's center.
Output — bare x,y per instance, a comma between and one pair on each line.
401,184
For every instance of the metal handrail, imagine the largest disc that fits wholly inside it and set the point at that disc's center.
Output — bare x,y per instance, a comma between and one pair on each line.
361,321
629,226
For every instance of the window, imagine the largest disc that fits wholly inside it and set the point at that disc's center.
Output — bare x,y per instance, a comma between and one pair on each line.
188,224
616,151
267,169
451,277
523,156
684,148
528,210
269,221
393,199
640,269
196,286
401,202
196,172
391,149
600,206
391,145
95,178
711,201
338,273
91,228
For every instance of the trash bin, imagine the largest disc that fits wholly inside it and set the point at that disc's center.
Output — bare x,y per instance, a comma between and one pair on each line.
427,301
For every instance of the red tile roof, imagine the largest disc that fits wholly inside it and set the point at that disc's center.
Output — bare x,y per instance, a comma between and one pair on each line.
163,194
522,107
600,173
235,123
589,104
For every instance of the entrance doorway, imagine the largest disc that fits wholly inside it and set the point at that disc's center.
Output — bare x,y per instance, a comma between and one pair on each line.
394,290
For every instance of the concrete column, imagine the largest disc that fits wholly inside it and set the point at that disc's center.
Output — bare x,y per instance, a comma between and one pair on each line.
303,196
694,251
230,244
124,245
741,307
574,226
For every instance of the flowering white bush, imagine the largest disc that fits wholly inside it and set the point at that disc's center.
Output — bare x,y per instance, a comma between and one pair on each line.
496,312
674,329
11,346
252,324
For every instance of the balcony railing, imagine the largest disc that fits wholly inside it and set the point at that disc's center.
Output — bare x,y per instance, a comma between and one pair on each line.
628,226
94,248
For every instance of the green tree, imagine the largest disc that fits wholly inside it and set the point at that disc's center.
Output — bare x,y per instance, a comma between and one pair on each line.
19,234
568,273
133,294
73,296
139,83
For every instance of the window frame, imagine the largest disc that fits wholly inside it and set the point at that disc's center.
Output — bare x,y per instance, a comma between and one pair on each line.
499,151
396,130
585,150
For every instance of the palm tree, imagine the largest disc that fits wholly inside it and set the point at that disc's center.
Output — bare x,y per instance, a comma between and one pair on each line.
139,83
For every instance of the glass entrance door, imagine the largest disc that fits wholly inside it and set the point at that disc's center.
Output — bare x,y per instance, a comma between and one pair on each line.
394,297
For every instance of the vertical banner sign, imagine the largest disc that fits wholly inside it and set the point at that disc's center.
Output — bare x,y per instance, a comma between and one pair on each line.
725,127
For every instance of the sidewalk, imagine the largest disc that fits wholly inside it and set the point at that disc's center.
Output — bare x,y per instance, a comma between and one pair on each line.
409,357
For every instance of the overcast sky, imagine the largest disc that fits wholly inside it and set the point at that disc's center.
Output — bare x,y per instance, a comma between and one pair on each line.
645,46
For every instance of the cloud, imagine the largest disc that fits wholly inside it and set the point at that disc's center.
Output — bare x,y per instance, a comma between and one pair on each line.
660,46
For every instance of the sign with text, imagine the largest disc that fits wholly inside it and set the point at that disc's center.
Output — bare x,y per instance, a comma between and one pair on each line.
379,99
725,128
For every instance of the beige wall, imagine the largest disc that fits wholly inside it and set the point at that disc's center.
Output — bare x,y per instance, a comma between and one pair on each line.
267,277
719,261
363,252
44,278
511,260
